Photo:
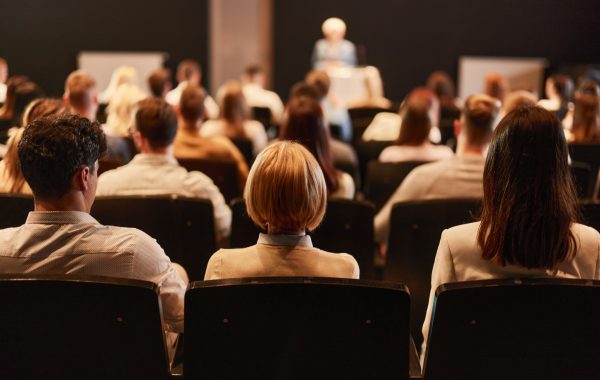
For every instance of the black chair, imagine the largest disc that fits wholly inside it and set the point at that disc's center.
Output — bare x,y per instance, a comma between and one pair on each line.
106,165
224,174
349,167
296,328
246,148
415,230
101,113
588,153
383,178
14,209
183,227
368,151
347,227
515,329
59,327
590,213
582,178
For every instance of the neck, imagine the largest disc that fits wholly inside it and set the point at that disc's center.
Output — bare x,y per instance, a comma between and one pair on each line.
465,148
165,151
276,231
89,114
68,202
190,126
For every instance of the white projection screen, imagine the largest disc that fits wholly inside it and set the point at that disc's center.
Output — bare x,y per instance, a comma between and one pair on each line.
101,64
521,73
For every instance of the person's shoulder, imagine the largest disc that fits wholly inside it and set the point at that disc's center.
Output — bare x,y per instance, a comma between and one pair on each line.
586,234
463,233
346,262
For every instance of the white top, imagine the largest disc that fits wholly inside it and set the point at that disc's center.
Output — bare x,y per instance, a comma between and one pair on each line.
346,186
253,129
386,127
458,259
424,152
173,97
552,104
256,96
2,92
158,174
459,177
72,242
280,255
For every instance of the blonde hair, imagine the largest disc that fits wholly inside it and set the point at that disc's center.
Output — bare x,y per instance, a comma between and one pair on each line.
122,75
121,109
286,189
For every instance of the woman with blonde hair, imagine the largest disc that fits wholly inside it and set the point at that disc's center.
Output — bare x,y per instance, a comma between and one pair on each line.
285,195
122,75
121,109
235,120
11,176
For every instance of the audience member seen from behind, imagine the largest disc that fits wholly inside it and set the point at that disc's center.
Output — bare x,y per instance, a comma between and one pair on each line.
304,123
59,158
121,110
189,73
3,78
458,177
159,82
121,76
333,50
412,144
81,96
20,92
516,99
189,142
286,195
235,121
496,86
11,176
334,111
440,83
154,171
253,85
528,225
559,92
586,114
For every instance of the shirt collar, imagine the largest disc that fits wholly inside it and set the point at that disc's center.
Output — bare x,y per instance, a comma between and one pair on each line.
153,159
60,217
286,240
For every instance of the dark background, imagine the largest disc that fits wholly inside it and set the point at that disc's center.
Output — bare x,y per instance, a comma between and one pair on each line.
41,38
407,39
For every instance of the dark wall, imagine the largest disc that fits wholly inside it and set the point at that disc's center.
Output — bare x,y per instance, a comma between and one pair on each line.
407,40
41,38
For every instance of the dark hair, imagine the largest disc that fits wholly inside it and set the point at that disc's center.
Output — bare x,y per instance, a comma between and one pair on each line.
156,121
253,70
234,110
7,112
564,86
320,81
479,115
440,83
53,148
191,103
187,68
529,200
158,80
496,86
586,115
305,124
304,89
416,119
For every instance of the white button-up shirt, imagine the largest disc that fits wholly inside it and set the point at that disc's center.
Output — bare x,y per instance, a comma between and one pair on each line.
73,242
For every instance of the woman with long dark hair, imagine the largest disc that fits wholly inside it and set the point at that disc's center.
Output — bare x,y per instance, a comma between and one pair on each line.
528,224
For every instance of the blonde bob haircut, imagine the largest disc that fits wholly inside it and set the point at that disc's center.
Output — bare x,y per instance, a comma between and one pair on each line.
286,189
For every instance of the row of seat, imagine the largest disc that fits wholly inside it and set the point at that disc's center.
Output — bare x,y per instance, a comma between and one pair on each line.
297,328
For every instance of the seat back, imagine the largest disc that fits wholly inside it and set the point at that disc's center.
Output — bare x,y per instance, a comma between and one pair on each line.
183,227
106,165
415,230
14,209
263,114
361,117
590,213
515,329
368,151
224,174
58,327
588,153
245,147
278,328
347,227
582,178
383,178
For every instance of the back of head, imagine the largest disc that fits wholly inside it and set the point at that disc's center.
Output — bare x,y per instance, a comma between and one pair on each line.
234,109
586,115
320,81
529,198
191,104
303,88
122,108
253,74
516,99
8,109
156,121
564,87
417,117
478,118
286,191
80,89
25,93
43,107
304,124
54,148
496,86
158,81
440,83
189,70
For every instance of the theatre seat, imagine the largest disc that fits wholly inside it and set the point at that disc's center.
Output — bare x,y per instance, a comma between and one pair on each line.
361,117
183,227
347,227
583,180
515,329
368,151
14,209
59,327
415,231
296,328
246,149
224,174
383,178
588,153
590,214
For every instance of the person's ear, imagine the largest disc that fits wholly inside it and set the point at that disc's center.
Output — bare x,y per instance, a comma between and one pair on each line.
137,139
457,127
65,98
81,179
